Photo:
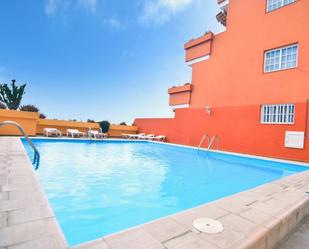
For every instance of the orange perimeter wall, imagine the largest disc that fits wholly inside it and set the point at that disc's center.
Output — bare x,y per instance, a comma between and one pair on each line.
28,120
63,125
34,126
239,130
118,130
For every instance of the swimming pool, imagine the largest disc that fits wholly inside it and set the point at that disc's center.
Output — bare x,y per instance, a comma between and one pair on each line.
101,187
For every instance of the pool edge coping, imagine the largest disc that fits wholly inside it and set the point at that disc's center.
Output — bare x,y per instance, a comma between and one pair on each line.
38,225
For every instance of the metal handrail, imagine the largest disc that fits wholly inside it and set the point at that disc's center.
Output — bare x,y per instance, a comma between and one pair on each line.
215,137
202,140
36,159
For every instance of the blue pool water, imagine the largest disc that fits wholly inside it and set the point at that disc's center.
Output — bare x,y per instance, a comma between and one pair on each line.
98,188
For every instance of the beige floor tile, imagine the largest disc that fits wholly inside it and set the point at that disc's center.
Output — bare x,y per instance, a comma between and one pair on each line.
239,224
97,244
231,205
256,216
25,232
46,242
133,239
165,229
189,241
210,211
29,214
224,239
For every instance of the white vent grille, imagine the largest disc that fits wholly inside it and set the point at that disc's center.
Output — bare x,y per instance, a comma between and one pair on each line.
294,139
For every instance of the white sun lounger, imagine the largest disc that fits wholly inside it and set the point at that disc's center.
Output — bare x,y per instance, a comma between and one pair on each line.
147,137
96,134
125,135
135,136
75,132
51,132
160,138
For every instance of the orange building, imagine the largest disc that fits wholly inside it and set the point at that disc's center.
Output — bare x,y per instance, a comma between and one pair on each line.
250,83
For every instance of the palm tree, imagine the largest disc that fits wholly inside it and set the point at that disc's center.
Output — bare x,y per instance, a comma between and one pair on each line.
12,97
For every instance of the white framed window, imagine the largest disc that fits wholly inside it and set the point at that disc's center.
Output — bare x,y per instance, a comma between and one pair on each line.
276,4
278,114
281,58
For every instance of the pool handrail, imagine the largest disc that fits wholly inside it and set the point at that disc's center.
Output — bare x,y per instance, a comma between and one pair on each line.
202,140
36,159
217,138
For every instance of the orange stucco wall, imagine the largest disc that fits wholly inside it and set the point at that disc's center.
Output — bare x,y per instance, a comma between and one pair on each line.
118,130
233,76
33,125
27,119
179,98
199,47
239,130
114,130
63,125
232,82
180,95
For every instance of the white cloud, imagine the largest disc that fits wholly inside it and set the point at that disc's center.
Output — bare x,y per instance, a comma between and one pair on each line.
54,6
160,11
113,22
90,5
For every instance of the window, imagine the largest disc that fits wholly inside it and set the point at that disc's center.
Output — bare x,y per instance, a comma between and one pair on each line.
281,58
278,114
275,4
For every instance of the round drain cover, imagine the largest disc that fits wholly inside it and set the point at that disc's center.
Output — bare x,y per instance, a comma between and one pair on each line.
207,225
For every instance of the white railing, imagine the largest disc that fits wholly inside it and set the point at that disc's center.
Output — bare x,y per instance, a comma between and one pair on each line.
214,138
36,159
202,140
210,141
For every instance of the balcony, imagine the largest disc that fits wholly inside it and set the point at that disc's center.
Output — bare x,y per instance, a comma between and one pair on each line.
199,49
180,96
222,16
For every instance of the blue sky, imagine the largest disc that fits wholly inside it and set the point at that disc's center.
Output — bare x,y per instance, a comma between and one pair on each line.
100,59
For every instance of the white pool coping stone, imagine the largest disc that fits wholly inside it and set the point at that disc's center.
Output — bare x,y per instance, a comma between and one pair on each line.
255,219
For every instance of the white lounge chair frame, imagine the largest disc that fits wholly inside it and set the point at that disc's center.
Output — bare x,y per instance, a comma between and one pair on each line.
75,132
51,132
135,136
160,138
147,137
96,134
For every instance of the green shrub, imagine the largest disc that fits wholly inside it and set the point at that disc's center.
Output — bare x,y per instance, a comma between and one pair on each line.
104,126
90,120
42,116
12,96
123,123
29,108
2,106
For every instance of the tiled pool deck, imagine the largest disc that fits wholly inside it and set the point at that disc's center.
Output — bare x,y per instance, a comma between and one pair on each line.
256,219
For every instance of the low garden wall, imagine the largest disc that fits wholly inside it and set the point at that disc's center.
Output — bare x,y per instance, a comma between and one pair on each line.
28,120
118,130
33,125
63,125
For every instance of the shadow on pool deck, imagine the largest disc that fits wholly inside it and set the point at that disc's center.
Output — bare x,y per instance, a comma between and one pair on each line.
299,239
